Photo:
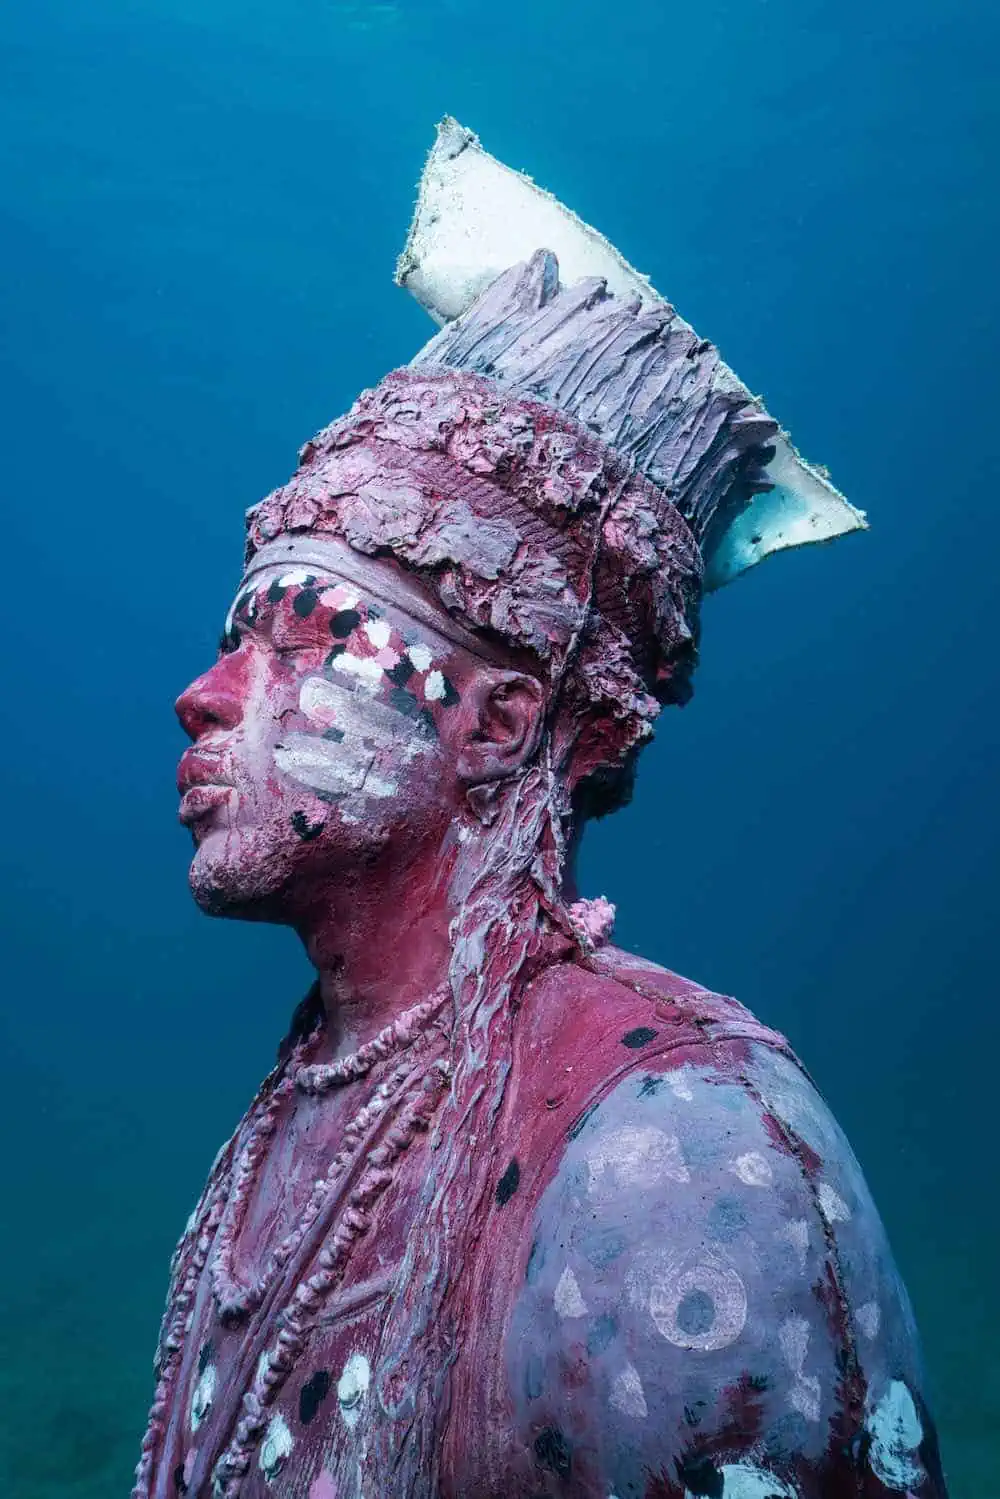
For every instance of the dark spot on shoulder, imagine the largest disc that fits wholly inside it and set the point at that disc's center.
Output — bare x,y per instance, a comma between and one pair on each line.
650,1086
449,696
701,1477
344,623
312,1394
306,830
205,1355
401,673
640,1036
508,1183
553,1452
305,602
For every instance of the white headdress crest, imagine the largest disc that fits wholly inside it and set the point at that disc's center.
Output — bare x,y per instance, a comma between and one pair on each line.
475,218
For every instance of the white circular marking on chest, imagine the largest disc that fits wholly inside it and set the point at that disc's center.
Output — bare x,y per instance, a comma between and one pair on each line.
896,1432
202,1395
627,1394
753,1169
567,1299
634,1156
275,1448
695,1302
352,1387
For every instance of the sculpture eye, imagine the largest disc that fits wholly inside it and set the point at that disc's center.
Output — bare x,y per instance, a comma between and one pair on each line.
229,641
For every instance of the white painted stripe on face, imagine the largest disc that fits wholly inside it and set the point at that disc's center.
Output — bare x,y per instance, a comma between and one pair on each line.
364,668
322,765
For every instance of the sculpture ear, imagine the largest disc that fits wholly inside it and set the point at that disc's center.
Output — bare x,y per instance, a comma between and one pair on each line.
507,713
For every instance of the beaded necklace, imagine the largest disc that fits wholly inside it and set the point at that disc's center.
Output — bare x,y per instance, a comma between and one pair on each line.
222,1212
235,1301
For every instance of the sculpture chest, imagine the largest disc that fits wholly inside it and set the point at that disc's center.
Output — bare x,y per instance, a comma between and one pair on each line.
581,1041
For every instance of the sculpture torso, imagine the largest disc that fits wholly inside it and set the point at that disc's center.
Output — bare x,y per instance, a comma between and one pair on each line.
678,1285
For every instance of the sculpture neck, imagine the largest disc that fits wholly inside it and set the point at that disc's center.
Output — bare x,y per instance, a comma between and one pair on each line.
379,937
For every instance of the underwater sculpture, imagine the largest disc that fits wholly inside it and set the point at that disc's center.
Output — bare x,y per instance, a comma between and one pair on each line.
516,1214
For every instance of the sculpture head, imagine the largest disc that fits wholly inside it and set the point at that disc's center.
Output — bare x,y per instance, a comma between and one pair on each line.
346,713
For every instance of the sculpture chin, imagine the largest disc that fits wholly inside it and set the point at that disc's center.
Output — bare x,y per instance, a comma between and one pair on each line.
268,872
231,875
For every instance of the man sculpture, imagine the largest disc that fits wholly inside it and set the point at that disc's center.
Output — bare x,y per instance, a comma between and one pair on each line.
516,1214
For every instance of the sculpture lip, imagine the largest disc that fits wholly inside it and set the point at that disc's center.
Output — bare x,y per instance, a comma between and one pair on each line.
197,768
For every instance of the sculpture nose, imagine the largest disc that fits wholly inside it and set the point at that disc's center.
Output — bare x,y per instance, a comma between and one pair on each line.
210,702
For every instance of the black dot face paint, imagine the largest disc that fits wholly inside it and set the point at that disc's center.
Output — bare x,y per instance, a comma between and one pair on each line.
305,602
401,673
344,623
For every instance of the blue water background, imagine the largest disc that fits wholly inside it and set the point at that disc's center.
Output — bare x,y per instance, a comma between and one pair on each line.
201,204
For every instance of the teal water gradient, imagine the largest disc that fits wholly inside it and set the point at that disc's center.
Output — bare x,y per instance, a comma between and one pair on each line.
201,204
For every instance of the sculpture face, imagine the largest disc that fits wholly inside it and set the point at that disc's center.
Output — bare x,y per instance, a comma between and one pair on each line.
328,726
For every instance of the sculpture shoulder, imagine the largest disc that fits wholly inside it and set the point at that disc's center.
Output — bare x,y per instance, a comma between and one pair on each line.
708,1303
